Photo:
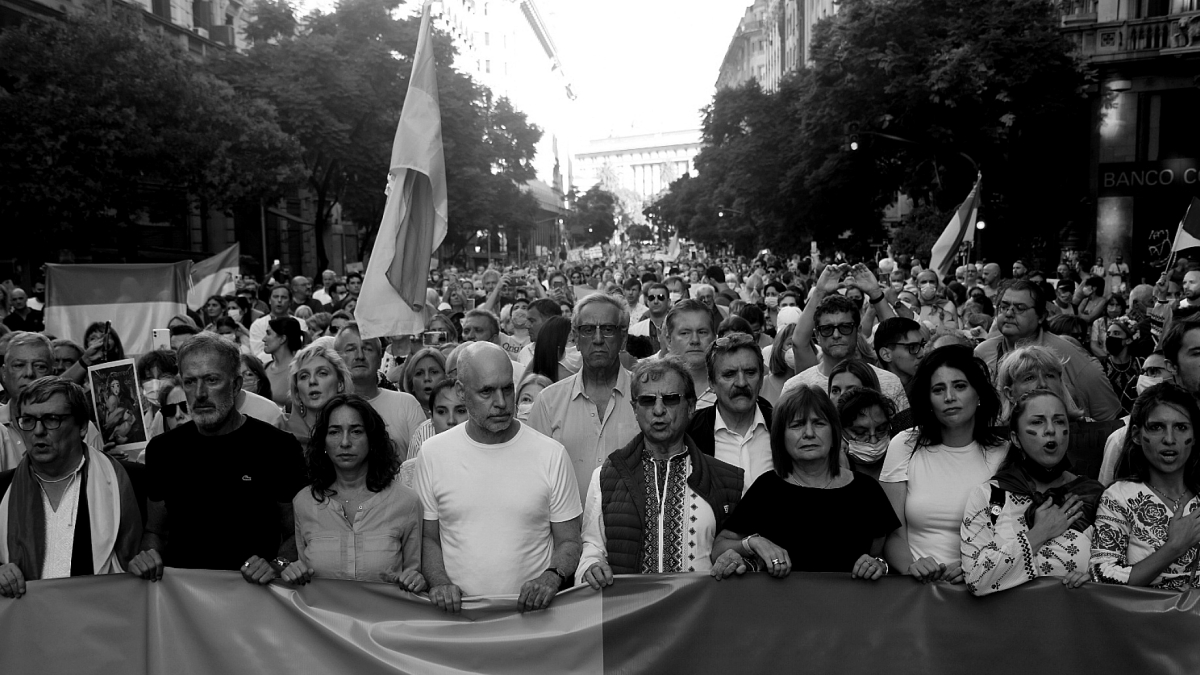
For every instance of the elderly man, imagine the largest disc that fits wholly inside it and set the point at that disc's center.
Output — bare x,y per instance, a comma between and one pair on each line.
836,319
501,506
221,485
67,510
737,430
1020,312
483,326
656,505
400,411
30,356
301,288
322,294
990,280
23,317
690,331
589,412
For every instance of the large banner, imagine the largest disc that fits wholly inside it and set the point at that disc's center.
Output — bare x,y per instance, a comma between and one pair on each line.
213,622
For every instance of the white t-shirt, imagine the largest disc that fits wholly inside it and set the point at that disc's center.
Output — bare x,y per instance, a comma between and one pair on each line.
494,505
940,480
402,413
258,331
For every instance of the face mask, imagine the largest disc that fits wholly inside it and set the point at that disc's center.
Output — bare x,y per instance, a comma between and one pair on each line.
520,318
235,314
1113,345
772,301
571,359
789,357
868,453
523,410
675,297
1144,382
150,390
928,292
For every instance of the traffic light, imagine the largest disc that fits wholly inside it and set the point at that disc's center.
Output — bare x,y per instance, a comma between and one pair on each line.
850,132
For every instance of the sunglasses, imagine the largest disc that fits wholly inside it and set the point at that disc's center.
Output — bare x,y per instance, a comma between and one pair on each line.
669,400
843,328
913,348
656,297
168,409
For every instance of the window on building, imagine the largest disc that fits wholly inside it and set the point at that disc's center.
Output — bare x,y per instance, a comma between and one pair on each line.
161,9
487,66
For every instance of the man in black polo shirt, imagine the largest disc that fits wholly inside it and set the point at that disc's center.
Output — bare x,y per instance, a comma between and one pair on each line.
221,486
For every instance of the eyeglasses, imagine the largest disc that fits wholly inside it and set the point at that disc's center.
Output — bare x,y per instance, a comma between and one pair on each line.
656,297
649,400
1015,307
168,409
843,328
30,422
880,434
607,330
913,348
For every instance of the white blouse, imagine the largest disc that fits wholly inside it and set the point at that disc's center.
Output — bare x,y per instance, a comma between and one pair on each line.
1131,523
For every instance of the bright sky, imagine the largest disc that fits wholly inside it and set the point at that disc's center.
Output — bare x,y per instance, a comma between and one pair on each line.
642,65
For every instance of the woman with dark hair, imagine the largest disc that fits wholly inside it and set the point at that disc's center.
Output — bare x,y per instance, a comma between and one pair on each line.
929,471
733,324
867,417
254,377
113,351
281,341
774,523
355,520
550,347
848,374
1148,522
212,309
1034,518
779,371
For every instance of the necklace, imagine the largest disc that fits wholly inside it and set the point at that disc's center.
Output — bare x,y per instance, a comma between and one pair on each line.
53,480
791,478
1163,496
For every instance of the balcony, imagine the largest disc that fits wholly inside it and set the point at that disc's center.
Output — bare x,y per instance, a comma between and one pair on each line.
1132,39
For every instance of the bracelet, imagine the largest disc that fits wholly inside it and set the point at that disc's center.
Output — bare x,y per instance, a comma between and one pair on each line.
877,300
746,543
883,562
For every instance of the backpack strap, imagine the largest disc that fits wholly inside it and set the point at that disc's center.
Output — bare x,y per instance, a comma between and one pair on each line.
996,505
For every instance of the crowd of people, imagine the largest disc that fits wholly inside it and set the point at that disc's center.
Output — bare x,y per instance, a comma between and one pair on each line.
562,424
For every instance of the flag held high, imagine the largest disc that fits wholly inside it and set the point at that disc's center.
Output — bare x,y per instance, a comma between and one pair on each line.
392,301
1188,234
960,229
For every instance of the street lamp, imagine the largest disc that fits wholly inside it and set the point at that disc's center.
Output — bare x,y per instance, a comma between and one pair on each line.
721,210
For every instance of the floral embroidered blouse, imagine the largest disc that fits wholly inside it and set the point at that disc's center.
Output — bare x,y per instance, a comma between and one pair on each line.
998,557
1131,523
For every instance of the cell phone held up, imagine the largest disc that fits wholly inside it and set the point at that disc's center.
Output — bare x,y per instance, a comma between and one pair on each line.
433,338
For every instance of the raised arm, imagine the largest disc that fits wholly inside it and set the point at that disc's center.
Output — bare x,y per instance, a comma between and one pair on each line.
802,337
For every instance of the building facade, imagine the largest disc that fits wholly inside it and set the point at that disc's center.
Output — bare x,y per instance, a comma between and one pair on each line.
1144,168
767,44
642,164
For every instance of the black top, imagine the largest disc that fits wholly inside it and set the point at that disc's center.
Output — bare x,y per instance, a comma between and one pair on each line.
34,322
222,493
822,530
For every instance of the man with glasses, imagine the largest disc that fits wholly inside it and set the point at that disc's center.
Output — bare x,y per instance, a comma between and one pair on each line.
1020,313
59,504
589,412
656,505
659,303
835,319
899,345
737,430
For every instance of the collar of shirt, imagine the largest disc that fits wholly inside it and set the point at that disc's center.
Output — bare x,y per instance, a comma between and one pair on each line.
759,421
621,387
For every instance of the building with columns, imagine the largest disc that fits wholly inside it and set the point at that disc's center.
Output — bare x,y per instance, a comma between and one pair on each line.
637,167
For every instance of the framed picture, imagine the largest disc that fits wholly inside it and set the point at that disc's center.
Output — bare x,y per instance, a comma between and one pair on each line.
117,404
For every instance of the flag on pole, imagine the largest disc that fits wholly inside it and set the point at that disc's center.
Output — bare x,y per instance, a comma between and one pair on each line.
392,301
1188,234
135,298
215,276
961,227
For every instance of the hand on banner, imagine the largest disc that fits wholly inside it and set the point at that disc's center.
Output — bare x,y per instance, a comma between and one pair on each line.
598,575
1077,578
12,582
448,597
258,571
728,564
147,565
867,567
538,593
412,581
955,573
778,562
297,573
927,569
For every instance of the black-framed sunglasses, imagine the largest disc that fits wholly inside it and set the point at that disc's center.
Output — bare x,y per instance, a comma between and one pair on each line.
656,297
649,400
168,409
914,348
843,328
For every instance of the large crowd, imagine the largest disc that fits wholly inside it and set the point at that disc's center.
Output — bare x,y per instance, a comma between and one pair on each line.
560,424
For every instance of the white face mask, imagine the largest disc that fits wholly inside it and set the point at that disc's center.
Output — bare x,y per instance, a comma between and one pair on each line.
571,359
1144,382
150,390
235,314
772,301
789,357
868,453
523,410
520,318
675,297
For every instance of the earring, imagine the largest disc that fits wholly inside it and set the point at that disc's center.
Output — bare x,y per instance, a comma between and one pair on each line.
302,410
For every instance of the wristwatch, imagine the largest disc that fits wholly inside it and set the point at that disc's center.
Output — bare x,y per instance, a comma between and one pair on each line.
280,564
563,579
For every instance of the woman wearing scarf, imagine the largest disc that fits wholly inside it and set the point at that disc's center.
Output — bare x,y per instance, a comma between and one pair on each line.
1034,518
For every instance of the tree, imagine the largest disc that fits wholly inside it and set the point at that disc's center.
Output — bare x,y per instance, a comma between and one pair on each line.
100,115
340,79
594,217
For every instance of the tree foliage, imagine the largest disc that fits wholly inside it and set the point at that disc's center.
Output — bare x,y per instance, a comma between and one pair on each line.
339,80
594,217
98,112
992,80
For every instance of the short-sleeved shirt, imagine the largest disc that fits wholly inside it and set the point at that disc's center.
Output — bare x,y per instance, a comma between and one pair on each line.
222,493
940,480
494,505
822,530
